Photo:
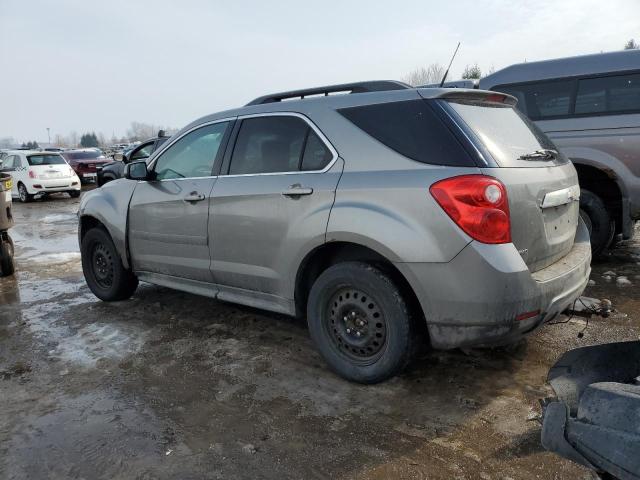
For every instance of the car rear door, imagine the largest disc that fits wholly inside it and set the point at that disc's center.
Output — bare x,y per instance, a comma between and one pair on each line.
168,215
271,202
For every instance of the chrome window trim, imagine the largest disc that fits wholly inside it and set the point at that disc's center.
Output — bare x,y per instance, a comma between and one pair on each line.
164,147
312,125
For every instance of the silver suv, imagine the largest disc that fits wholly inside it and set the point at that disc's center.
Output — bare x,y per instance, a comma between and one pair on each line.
382,214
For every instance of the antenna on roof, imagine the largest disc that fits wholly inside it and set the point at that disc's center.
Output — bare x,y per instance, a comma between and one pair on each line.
444,77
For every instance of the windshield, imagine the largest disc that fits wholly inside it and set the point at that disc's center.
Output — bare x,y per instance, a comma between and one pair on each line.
508,135
84,155
50,159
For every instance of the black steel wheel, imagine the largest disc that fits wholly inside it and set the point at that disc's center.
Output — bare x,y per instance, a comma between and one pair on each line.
356,325
360,322
102,267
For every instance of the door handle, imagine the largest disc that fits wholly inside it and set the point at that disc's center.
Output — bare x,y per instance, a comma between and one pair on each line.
297,190
194,197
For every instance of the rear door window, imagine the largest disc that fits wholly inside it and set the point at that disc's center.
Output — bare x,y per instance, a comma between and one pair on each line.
277,143
412,129
619,93
506,133
316,155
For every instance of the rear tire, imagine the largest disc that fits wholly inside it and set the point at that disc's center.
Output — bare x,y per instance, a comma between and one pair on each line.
599,223
23,194
102,267
360,322
7,267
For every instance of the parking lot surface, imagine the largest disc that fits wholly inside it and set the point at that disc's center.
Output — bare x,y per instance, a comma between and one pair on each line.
172,385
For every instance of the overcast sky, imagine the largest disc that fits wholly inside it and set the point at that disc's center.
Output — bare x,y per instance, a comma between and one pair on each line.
88,65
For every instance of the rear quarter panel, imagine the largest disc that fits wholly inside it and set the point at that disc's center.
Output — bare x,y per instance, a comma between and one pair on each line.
393,213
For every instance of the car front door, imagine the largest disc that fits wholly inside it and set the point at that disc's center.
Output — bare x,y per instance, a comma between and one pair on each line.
168,214
272,201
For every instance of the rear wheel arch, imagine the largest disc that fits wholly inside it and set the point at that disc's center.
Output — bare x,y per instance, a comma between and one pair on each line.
332,253
605,184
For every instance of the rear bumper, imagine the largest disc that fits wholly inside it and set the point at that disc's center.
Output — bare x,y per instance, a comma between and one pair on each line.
474,299
52,185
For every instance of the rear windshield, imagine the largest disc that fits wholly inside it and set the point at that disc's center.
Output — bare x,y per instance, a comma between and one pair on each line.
82,155
506,133
412,129
35,160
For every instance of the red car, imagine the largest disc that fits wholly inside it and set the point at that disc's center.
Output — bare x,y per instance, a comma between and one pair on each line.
85,162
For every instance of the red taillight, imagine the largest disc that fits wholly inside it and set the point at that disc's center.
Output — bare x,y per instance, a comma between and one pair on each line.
32,174
478,204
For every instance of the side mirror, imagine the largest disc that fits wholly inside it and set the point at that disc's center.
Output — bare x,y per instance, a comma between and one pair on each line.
136,171
118,157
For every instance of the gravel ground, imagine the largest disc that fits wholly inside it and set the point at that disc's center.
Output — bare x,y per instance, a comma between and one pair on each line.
171,385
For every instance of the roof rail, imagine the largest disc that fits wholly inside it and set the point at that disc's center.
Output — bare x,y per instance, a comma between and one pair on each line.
357,87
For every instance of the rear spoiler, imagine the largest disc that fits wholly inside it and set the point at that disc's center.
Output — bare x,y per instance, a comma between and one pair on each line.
468,95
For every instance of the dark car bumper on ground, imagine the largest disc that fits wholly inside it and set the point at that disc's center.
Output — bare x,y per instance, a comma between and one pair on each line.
595,419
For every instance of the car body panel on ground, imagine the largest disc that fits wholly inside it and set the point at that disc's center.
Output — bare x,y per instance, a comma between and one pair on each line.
595,418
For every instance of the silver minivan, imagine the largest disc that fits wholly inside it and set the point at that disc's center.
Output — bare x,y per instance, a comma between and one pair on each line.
590,108
387,215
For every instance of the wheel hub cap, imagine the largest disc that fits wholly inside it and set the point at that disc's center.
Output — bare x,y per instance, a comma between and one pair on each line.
356,324
102,266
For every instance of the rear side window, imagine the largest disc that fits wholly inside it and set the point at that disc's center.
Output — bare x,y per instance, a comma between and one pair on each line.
273,144
412,129
542,100
618,93
35,160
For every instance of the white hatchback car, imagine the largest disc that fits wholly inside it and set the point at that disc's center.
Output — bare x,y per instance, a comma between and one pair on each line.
39,173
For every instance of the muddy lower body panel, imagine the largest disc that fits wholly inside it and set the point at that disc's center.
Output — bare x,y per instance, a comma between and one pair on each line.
487,296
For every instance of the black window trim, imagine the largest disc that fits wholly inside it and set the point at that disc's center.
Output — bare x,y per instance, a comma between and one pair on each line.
575,79
227,160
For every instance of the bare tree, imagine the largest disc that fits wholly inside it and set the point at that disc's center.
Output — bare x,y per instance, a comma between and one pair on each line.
424,75
141,131
631,45
472,72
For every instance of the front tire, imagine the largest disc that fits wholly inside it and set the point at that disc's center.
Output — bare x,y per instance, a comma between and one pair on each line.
102,267
74,193
23,194
599,223
360,322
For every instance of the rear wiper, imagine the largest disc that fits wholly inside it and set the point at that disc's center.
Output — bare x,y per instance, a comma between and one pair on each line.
542,154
